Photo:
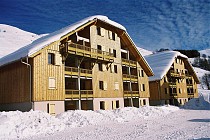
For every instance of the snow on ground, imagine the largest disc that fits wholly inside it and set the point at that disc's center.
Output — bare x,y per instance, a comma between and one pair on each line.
12,39
164,122
16,124
147,122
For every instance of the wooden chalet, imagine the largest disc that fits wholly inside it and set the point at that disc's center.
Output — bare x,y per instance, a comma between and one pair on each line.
175,81
90,65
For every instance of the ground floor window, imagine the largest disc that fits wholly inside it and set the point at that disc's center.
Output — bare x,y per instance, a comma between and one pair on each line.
117,104
102,105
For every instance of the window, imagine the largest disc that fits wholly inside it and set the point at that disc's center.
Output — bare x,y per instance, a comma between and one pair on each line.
165,80
142,73
51,109
113,36
100,67
99,49
116,85
102,105
51,83
115,68
177,60
51,58
166,91
180,91
142,87
98,30
101,85
170,90
114,53
144,102
117,104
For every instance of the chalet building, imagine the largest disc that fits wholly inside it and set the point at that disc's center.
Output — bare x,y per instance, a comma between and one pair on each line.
90,65
175,81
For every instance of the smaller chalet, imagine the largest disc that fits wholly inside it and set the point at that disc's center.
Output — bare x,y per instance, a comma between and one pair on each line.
175,81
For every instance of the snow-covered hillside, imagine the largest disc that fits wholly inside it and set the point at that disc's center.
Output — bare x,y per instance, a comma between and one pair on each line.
206,52
12,38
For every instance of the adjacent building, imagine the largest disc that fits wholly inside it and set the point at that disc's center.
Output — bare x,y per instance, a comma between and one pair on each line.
175,81
90,65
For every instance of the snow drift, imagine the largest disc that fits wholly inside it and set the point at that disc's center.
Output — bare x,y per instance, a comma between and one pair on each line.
16,124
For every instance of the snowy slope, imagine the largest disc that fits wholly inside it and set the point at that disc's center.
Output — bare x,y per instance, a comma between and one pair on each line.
206,52
12,39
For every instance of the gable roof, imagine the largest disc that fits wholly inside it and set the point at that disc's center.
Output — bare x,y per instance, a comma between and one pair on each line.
162,61
44,41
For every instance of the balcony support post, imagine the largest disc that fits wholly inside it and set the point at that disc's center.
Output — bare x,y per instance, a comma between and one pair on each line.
79,86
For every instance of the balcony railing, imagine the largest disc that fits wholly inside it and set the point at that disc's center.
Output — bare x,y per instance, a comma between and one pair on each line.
74,94
87,51
172,84
173,94
127,77
75,72
177,74
131,93
129,62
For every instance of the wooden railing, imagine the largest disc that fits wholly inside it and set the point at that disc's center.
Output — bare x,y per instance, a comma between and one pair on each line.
173,94
75,71
129,62
131,93
74,94
177,74
127,77
172,84
88,51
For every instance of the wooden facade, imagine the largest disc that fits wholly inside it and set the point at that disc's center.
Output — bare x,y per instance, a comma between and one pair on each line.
14,83
95,66
177,86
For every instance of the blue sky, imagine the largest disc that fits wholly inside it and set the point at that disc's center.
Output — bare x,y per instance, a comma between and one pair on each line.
152,24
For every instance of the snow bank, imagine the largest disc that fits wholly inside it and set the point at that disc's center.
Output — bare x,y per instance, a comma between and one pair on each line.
201,103
16,124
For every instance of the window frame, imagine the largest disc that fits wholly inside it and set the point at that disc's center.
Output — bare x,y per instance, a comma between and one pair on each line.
51,59
101,85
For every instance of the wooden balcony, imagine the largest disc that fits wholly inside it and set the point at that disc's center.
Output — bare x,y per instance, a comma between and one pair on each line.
86,51
171,84
72,71
173,94
127,77
74,94
190,95
131,94
189,85
129,62
177,74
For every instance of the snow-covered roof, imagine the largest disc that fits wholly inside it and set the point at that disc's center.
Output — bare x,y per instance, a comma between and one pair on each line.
161,63
46,40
